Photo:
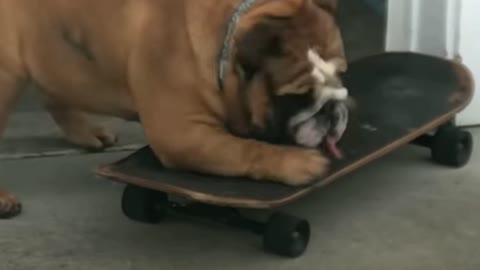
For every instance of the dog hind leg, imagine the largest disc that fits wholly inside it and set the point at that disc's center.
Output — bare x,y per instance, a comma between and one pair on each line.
9,205
10,88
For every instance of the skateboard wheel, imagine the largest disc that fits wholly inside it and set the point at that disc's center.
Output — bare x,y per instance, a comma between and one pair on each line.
144,205
286,235
452,146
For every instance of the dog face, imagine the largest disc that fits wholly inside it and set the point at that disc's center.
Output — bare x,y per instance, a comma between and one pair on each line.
289,58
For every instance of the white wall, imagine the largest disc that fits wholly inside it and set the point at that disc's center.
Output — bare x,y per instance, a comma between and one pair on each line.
431,24
418,25
399,36
469,52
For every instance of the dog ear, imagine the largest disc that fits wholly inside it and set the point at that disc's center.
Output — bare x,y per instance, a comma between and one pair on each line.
256,46
262,30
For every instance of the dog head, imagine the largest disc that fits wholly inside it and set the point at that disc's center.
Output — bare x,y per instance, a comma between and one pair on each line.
289,55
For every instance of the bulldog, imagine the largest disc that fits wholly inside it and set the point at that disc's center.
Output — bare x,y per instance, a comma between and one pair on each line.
234,87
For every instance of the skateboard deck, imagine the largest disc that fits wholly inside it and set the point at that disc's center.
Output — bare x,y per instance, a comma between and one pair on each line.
399,96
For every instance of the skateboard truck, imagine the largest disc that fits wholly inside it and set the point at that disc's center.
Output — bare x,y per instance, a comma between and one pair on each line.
283,234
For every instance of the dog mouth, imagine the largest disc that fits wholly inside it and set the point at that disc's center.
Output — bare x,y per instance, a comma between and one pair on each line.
315,137
330,147
324,130
338,124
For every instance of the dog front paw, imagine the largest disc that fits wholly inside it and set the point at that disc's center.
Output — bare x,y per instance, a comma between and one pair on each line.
292,166
300,167
94,138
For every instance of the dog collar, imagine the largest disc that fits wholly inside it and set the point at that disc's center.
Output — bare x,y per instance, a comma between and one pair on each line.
225,53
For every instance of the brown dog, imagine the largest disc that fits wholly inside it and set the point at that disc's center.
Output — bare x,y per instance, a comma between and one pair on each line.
208,101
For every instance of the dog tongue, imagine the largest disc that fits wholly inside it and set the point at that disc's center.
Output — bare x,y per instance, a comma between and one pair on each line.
332,149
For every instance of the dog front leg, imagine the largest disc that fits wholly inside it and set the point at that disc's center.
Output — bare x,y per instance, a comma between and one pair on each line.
78,128
214,151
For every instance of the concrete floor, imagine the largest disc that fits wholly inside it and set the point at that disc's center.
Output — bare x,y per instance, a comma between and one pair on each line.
401,212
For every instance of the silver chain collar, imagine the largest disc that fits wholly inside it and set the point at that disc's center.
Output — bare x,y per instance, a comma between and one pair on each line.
225,53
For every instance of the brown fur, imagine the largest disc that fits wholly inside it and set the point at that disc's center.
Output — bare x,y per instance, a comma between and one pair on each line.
157,59
9,205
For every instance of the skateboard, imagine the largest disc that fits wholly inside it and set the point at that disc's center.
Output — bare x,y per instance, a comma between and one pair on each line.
402,98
